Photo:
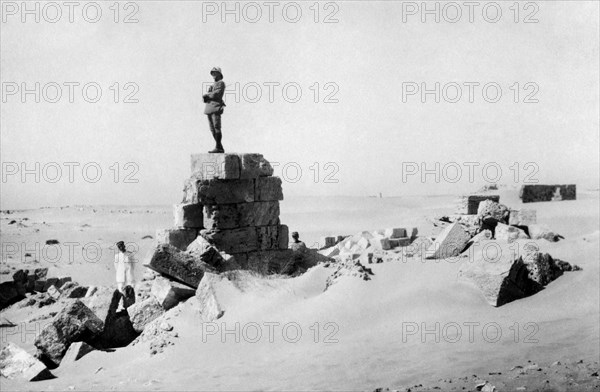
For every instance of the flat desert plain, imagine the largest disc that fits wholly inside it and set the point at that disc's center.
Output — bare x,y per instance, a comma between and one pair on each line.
412,326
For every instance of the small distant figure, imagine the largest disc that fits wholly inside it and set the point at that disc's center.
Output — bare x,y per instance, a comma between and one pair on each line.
297,245
124,263
214,108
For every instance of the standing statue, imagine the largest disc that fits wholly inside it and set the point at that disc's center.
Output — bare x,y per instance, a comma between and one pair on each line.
214,107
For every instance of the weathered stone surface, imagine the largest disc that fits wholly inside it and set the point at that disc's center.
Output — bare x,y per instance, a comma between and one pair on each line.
283,236
449,243
99,304
254,166
537,232
76,351
542,268
210,166
508,233
484,235
381,243
535,193
75,322
70,287
178,265
218,191
53,292
9,294
210,308
201,249
523,217
63,281
50,282
16,363
234,240
39,286
469,222
396,242
327,242
268,189
30,285
40,273
513,271
283,261
330,252
91,291
233,216
233,262
395,233
144,312
469,204
500,276
272,237
169,294
73,290
188,216
179,238
492,212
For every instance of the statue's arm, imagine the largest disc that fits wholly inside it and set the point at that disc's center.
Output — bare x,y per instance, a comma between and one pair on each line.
217,91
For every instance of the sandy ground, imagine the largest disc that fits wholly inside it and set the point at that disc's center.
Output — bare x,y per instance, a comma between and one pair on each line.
412,324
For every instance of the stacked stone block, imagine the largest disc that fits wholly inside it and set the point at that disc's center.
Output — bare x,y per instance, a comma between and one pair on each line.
468,204
232,201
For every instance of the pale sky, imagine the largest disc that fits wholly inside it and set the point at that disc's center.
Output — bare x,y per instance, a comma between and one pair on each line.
367,136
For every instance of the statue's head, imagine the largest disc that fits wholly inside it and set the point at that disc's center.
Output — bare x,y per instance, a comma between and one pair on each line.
295,235
216,73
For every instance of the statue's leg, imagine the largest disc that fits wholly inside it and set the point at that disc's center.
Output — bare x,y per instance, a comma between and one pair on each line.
218,135
211,125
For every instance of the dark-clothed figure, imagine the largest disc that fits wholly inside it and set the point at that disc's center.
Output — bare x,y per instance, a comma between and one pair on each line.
297,245
214,107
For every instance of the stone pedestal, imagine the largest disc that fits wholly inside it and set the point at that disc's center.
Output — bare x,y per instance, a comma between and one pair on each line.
232,200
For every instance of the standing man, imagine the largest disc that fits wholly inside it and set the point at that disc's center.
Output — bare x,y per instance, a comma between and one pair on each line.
214,107
124,267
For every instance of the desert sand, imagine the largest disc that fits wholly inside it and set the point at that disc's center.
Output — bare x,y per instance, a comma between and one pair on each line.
356,335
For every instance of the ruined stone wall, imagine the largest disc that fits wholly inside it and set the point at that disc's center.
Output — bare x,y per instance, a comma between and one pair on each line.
534,193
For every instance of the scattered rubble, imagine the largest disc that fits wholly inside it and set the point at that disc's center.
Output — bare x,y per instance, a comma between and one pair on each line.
512,272
75,322
18,363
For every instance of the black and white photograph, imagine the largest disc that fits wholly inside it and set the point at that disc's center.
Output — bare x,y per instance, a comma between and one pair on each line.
309,195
